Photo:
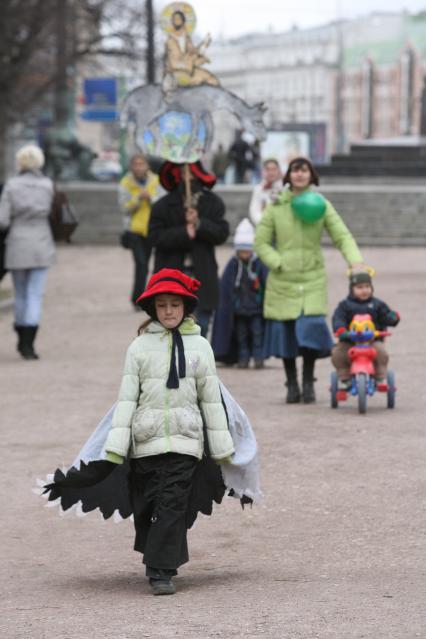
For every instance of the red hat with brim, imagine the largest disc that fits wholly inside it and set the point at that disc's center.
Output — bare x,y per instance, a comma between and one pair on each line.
171,175
172,282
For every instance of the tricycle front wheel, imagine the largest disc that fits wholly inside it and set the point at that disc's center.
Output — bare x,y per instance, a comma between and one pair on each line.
333,390
391,389
361,384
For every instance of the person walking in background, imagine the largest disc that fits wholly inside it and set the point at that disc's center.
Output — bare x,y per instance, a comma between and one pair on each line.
238,324
220,163
241,156
256,163
267,192
184,234
296,289
137,191
30,250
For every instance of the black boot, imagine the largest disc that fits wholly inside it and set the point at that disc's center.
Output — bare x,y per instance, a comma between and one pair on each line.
28,337
163,586
33,334
160,580
18,331
293,390
308,379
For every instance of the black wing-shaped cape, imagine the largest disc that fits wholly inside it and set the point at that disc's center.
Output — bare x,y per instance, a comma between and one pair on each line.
97,484
93,483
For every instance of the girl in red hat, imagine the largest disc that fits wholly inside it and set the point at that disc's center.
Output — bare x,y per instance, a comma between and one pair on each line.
169,387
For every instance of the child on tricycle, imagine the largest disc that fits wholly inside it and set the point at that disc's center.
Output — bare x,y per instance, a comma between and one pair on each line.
360,358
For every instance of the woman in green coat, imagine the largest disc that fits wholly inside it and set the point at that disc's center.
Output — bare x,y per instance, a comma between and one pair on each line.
295,305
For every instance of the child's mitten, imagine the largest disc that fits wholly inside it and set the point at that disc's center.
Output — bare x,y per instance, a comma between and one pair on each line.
393,318
225,460
114,458
342,334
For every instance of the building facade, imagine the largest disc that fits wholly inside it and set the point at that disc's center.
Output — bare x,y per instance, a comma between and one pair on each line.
384,67
355,80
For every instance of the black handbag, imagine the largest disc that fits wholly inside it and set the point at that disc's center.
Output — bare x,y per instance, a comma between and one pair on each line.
126,239
3,269
3,234
63,218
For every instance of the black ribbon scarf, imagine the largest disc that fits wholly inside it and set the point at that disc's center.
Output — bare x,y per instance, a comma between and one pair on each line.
177,344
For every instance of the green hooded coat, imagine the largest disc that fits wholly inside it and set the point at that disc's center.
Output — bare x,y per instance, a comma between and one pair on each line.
290,248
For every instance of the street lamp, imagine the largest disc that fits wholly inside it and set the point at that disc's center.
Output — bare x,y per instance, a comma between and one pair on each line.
150,45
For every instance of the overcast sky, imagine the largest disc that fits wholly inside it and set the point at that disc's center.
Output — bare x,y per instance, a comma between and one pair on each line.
236,17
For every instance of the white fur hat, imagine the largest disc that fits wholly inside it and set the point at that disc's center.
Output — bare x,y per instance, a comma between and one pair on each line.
244,235
29,158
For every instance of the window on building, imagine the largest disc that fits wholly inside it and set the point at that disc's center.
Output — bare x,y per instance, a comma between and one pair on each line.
367,99
406,91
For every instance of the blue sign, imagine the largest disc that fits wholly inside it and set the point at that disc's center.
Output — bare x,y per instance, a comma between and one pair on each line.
100,98
99,115
100,92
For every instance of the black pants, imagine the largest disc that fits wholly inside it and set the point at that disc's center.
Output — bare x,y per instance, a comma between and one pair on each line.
160,488
141,250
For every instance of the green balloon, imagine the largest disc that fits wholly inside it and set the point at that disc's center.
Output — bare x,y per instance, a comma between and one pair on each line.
309,206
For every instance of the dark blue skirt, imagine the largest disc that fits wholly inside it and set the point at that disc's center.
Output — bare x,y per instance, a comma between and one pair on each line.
292,337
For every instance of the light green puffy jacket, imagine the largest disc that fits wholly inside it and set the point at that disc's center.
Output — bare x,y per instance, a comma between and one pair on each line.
291,249
151,419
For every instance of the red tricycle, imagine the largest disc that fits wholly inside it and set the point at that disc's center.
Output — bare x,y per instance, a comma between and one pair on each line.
362,354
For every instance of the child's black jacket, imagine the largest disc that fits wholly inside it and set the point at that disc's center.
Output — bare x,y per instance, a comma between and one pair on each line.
380,312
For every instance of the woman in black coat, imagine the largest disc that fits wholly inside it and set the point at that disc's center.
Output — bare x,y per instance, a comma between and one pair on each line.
184,237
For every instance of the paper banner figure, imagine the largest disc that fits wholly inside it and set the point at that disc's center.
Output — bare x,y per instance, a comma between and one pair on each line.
174,120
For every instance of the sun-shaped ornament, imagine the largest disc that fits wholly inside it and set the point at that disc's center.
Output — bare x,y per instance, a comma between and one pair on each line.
171,13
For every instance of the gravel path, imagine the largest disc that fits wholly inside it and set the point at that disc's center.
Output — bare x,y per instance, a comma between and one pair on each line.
337,549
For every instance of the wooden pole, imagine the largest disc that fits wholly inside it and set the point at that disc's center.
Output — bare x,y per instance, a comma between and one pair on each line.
187,178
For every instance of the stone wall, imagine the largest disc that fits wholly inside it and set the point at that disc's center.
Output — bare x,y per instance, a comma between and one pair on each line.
378,214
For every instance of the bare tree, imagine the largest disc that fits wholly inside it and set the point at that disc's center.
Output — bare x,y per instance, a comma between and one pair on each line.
42,41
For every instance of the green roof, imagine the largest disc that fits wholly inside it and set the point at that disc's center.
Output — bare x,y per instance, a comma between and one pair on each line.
413,31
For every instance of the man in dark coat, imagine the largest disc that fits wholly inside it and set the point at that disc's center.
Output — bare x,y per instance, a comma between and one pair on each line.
184,235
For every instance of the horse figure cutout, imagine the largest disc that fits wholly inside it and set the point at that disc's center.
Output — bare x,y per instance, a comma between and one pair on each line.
174,120
145,107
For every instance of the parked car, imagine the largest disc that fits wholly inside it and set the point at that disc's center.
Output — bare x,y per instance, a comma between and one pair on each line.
105,170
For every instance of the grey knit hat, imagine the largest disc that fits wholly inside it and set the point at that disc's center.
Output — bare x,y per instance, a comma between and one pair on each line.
360,278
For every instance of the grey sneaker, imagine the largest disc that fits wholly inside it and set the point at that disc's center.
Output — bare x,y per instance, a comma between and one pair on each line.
162,586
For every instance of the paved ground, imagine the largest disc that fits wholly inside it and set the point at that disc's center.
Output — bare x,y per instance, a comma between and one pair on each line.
337,549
